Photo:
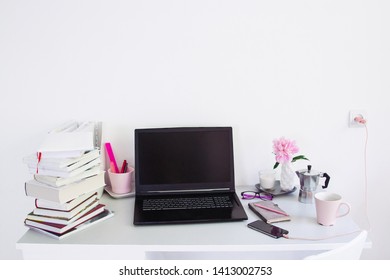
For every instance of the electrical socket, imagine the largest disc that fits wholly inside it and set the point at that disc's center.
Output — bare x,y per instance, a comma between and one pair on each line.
356,113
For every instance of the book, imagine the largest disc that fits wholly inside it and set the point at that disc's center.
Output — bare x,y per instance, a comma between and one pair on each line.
60,164
65,193
65,174
106,214
67,206
71,139
66,214
267,215
61,181
60,228
62,220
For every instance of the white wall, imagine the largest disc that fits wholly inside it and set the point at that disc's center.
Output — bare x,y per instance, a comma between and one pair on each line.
267,68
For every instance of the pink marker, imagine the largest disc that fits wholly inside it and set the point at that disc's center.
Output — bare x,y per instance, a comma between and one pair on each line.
110,153
112,167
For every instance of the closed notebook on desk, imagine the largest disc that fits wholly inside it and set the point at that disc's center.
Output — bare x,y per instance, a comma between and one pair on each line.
267,215
185,175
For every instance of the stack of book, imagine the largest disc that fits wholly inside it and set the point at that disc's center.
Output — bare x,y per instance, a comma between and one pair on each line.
67,182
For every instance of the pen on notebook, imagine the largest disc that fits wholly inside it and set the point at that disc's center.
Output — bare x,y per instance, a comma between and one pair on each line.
270,209
124,166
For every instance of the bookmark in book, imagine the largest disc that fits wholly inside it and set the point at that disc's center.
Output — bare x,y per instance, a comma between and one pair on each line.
39,156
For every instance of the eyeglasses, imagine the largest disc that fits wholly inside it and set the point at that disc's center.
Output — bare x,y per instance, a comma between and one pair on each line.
252,195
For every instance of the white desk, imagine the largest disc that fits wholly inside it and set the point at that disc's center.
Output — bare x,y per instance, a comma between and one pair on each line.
118,238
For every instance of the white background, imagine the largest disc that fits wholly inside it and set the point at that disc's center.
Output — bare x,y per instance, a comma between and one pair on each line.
266,68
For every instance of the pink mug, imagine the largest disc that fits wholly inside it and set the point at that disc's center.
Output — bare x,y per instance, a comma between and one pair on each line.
327,207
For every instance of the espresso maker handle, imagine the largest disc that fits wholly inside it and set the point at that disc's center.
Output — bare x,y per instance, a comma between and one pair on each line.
327,178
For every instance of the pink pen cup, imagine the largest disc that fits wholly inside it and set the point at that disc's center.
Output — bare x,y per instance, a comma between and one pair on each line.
121,182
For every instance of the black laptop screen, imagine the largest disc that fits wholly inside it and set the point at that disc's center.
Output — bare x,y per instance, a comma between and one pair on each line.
181,159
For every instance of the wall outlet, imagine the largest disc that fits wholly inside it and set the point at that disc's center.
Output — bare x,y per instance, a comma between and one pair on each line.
356,113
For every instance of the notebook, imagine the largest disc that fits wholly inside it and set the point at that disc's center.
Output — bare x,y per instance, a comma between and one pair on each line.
189,166
267,215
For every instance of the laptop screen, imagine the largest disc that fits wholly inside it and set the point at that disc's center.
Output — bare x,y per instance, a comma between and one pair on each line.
184,159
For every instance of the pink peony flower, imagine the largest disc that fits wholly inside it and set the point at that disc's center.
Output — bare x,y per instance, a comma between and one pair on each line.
284,149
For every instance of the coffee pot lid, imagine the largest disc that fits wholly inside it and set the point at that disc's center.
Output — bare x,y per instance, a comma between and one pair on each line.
310,172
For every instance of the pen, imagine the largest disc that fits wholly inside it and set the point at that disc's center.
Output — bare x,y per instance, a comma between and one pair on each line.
124,165
270,209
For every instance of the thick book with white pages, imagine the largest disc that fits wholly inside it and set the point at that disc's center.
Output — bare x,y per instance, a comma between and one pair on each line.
67,206
59,228
106,214
66,193
71,139
60,181
65,214
60,164
65,174
60,219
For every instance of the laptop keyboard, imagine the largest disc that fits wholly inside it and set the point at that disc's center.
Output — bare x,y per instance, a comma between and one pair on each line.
179,203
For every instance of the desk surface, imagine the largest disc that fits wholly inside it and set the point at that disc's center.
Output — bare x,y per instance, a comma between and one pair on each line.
120,239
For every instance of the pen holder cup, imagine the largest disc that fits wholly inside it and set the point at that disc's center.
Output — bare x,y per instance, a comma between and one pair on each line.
121,182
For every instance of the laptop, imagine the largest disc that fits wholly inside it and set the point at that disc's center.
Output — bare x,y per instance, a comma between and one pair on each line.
185,175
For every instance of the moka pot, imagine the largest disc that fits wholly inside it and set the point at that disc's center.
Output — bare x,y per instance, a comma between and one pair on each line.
309,181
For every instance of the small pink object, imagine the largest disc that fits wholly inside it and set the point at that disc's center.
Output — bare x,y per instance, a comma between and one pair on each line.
270,209
112,167
124,166
360,120
111,156
284,149
121,182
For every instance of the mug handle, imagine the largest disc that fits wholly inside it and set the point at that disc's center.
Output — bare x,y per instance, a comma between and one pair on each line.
348,209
